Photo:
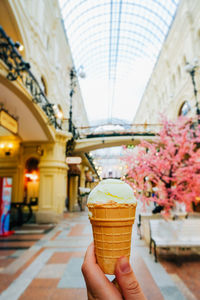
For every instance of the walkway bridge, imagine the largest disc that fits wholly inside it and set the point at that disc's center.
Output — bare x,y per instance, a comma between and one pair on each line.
96,137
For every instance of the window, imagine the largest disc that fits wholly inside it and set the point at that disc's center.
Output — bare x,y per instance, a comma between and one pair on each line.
185,108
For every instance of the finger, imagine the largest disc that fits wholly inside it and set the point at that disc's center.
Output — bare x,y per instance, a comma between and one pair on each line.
90,253
127,281
97,283
90,268
117,285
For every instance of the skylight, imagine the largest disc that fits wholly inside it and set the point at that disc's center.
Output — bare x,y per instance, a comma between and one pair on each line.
118,43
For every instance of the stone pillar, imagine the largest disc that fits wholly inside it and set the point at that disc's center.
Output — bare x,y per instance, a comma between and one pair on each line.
82,176
73,193
53,181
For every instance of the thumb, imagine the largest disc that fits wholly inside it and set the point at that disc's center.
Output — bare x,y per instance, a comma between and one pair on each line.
127,281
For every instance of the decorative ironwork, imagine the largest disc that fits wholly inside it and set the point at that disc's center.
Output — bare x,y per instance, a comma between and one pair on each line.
191,69
19,69
73,83
75,132
118,134
107,130
70,145
90,159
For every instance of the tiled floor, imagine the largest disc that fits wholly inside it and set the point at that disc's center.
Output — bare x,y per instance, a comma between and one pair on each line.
50,268
187,269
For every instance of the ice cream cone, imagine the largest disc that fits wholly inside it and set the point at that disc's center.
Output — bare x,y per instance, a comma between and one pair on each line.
112,229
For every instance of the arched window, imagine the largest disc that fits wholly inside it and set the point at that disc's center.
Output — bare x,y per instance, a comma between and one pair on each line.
184,109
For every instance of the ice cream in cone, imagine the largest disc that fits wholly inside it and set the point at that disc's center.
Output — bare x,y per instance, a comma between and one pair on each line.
112,208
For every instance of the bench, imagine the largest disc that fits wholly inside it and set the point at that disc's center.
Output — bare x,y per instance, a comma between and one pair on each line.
143,230
183,233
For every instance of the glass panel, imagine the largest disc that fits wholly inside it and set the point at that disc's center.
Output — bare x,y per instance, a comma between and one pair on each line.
118,43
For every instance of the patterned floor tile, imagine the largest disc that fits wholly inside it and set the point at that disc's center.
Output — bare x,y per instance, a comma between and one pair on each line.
37,293
17,253
148,285
44,283
51,268
186,292
60,258
6,262
70,294
5,253
77,230
72,277
87,230
5,281
52,271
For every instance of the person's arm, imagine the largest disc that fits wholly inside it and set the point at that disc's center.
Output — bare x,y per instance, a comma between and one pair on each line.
100,288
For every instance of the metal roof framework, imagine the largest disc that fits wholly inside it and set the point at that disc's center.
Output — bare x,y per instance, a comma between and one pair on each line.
105,34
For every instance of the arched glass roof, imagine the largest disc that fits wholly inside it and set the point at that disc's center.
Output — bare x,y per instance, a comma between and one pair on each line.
117,42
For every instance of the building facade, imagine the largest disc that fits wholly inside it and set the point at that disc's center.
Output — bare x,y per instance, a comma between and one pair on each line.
34,93
170,90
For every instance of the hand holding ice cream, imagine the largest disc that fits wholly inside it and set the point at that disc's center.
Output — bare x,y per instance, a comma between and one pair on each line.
112,213
99,287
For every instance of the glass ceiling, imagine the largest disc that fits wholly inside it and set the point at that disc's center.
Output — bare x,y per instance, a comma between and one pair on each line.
117,42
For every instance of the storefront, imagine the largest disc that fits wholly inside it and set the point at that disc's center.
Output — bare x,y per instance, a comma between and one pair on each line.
32,143
35,90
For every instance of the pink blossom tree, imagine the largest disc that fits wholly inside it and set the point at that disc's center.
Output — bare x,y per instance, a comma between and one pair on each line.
167,171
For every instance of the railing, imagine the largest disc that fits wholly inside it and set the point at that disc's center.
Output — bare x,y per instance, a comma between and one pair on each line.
19,69
75,132
128,130
70,128
90,159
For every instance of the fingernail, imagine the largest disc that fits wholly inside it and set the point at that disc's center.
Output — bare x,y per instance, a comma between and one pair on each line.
124,265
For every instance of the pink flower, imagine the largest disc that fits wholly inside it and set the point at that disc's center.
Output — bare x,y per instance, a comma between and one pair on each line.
168,170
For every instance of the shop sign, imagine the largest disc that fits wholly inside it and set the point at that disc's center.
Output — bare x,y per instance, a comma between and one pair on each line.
8,122
73,160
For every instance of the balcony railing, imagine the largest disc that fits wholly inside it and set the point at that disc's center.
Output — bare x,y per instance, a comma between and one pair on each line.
118,130
18,69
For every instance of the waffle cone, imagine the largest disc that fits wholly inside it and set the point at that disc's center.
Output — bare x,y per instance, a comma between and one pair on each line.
112,230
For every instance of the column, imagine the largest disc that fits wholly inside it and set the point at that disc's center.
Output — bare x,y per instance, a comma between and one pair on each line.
73,193
82,175
53,181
